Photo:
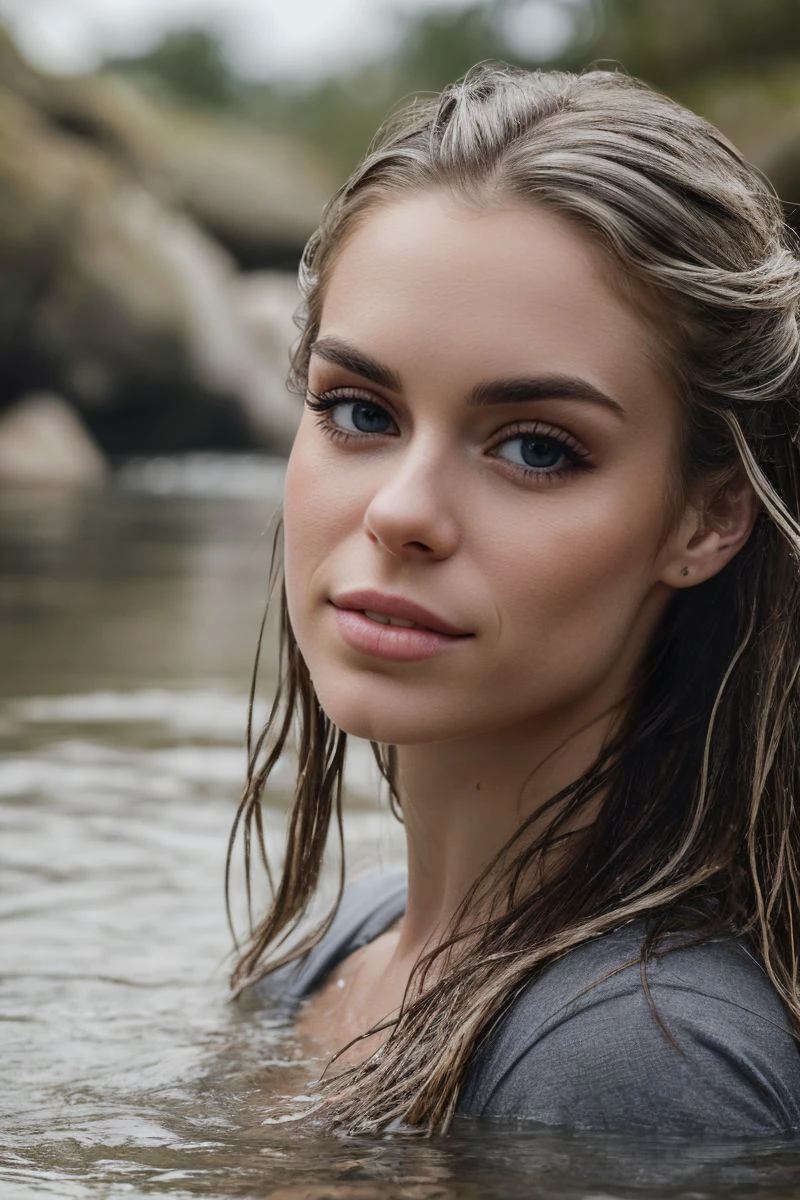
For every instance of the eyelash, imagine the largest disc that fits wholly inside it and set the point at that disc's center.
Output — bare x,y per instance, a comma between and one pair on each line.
324,403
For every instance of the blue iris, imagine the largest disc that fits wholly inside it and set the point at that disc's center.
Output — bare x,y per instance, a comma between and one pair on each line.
540,453
368,418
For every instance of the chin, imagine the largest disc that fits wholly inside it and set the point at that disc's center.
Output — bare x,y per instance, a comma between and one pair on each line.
396,721
389,729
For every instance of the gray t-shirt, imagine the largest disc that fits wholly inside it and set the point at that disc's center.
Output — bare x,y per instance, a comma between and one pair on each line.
580,1046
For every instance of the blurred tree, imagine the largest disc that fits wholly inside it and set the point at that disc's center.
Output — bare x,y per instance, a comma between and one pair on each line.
437,47
340,114
188,64
670,41
696,50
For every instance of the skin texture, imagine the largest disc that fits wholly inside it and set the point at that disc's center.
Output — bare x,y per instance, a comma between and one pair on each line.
559,574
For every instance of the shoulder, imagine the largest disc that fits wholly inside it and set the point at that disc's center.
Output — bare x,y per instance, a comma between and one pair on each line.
369,905
584,1046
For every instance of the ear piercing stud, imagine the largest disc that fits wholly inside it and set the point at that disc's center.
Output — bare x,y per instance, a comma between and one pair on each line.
684,571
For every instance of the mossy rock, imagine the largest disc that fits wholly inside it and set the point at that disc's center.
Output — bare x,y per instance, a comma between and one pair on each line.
260,194
119,304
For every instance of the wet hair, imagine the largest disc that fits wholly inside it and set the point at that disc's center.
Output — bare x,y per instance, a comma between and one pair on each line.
694,802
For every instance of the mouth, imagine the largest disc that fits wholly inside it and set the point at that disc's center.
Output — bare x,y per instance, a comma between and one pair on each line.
383,619
405,636
397,611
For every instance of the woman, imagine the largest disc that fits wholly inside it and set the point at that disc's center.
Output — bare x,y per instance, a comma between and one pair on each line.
541,537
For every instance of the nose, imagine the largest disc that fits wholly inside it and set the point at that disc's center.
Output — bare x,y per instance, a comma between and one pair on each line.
411,513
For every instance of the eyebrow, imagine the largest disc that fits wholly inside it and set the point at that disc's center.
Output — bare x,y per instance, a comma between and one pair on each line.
499,391
342,354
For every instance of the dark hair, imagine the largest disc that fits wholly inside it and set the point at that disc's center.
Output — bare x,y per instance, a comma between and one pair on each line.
697,794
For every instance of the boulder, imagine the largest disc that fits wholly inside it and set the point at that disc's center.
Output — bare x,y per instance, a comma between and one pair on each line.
258,193
122,304
266,304
114,295
43,442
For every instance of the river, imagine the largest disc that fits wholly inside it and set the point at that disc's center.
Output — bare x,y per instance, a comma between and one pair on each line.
129,621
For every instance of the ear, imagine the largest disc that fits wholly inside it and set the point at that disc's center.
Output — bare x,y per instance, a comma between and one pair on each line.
712,530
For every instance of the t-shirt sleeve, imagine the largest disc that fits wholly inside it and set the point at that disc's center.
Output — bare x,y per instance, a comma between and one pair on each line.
604,1060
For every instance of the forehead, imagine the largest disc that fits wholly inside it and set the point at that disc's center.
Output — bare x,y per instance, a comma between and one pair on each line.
432,285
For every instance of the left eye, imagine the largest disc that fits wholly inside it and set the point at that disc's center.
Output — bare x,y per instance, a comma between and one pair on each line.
534,451
358,416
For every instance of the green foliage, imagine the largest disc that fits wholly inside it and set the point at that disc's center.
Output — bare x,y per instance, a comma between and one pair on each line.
439,46
340,114
674,44
670,42
188,65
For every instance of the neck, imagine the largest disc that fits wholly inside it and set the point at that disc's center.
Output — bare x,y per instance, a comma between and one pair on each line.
462,802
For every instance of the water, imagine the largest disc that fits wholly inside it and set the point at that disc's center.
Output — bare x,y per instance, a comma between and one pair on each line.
126,639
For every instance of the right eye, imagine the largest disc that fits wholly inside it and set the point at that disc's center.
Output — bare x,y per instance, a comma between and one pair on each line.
350,415
359,416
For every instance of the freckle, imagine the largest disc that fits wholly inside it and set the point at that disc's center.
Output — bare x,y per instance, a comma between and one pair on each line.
477,787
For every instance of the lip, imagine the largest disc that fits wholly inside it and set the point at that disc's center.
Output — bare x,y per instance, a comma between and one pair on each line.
389,605
392,643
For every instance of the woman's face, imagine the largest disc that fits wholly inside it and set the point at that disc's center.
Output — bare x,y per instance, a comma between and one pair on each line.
491,441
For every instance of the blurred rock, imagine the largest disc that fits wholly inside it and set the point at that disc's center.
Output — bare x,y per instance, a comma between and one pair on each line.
122,305
94,309
259,194
42,442
240,354
265,303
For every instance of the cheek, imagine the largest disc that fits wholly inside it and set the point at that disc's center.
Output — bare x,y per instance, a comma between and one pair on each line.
568,545
580,585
